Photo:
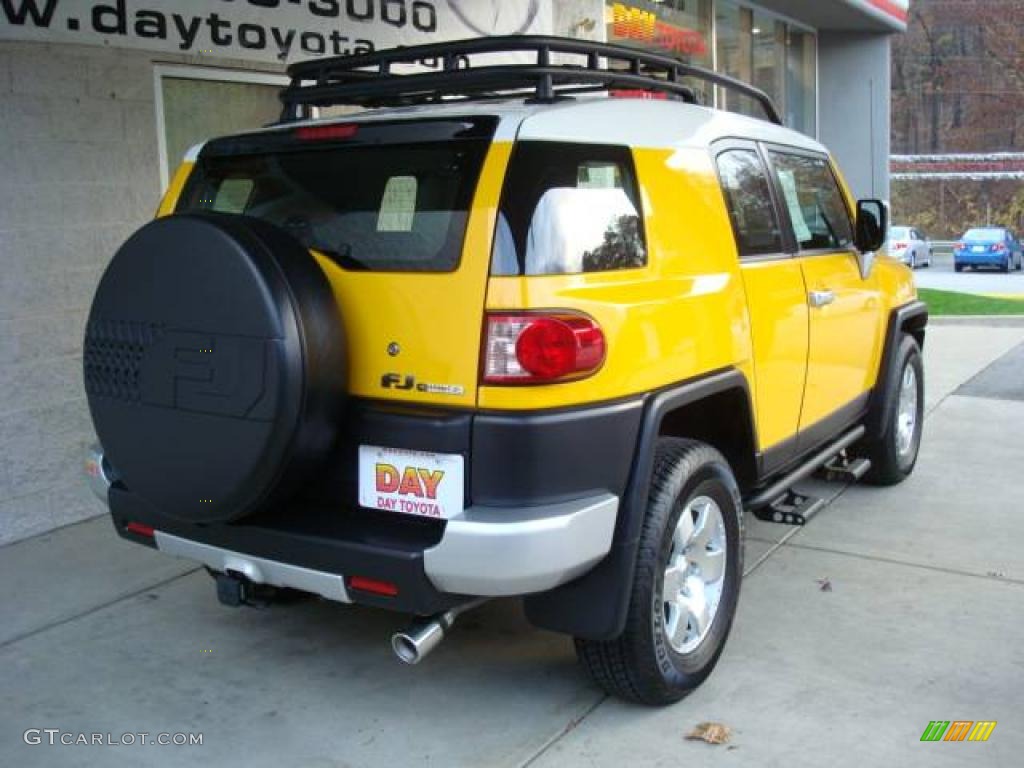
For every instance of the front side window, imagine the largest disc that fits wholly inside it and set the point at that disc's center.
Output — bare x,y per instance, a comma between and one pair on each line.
749,200
811,194
566,209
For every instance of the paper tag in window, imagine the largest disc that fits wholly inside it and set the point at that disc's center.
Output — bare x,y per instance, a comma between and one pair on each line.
796,213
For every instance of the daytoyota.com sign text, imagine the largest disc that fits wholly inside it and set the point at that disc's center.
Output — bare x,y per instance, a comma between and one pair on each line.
265,30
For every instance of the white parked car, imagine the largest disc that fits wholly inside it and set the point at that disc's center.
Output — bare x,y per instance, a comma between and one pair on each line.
910,246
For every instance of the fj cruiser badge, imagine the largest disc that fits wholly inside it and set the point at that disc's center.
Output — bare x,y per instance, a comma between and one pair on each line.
400,381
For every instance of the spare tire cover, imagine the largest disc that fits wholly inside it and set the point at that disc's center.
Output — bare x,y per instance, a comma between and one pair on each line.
214,365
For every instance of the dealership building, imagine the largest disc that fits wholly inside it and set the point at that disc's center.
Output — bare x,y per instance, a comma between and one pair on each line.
99,101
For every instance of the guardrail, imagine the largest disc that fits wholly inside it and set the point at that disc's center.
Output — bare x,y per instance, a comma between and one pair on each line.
943,247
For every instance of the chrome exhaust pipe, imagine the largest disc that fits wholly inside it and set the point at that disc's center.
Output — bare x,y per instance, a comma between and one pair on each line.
424,635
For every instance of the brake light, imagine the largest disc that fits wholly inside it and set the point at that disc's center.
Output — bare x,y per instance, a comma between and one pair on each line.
532,348
900,244
139,529
960,246
373,586
999,247
326,132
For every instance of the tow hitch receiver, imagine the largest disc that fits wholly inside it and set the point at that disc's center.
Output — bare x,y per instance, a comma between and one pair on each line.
236,590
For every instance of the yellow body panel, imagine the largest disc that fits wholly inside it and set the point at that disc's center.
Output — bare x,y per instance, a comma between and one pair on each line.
436,318
846,336
682,315
777,301
694,308
170,198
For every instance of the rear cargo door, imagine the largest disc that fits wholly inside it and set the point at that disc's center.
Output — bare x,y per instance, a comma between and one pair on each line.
400,216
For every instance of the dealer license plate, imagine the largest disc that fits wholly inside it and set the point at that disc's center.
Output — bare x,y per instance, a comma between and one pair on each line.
411,482
978,248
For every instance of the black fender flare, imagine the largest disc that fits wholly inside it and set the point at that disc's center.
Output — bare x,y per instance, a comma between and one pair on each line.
908,318
595,605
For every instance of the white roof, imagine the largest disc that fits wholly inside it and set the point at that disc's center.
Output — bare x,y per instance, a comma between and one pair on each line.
645,123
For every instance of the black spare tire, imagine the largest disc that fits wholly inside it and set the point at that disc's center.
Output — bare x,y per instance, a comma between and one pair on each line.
214,365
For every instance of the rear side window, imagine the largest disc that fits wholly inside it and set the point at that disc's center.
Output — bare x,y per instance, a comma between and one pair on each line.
815,204
747,196
568,208
395,207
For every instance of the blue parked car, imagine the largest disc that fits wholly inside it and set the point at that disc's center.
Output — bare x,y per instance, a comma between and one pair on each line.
988,247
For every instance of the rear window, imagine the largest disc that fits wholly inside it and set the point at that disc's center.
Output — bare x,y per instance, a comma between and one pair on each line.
899,232
568,208
984,234
386,207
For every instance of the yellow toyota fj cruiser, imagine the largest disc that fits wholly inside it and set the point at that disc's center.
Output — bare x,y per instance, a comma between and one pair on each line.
510,331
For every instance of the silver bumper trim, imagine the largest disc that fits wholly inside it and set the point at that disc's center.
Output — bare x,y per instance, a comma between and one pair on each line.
97,472
490,551
256,569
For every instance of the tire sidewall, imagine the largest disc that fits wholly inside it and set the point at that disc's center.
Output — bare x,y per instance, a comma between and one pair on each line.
909,354
685,671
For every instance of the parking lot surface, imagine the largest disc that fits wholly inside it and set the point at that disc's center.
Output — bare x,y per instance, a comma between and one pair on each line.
942,276
921,620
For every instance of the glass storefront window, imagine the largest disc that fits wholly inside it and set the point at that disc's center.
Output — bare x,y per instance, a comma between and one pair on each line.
734,52
749,44
769,38
801,73
680,28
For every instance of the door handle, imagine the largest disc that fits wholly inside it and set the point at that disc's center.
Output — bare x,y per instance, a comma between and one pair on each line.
821,298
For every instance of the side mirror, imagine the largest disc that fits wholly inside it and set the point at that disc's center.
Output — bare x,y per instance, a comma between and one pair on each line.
872,224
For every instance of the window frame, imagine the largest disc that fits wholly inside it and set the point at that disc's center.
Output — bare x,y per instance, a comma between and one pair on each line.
784,149
786,239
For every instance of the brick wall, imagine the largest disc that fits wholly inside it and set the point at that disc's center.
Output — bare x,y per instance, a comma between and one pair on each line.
78,174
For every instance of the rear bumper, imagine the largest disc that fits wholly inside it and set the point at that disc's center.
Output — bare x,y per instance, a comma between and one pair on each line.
986,259
493,551
485,551
542,497
258,570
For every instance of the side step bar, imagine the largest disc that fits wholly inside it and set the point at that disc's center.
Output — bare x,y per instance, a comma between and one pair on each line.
778,504
790,509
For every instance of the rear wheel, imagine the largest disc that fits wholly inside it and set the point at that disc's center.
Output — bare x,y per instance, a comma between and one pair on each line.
893,447
686,585
958,267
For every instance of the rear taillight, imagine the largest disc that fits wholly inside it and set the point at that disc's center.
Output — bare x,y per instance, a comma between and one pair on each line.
373,586
140,529
999,247
900,245
541,348
326,132
960,247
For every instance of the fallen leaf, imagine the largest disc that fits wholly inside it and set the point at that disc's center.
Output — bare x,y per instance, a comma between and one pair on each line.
712,733
825,585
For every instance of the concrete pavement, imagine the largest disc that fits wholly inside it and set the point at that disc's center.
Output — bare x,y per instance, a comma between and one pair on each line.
923,622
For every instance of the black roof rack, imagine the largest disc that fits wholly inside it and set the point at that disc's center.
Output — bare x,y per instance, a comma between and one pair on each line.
369,80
